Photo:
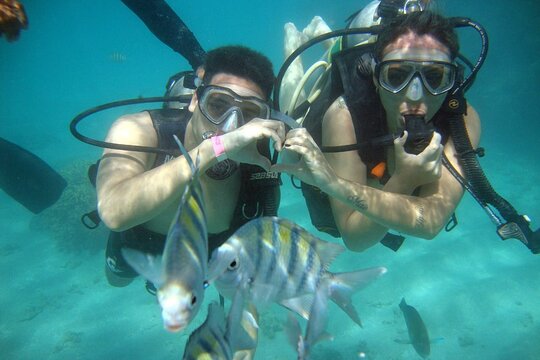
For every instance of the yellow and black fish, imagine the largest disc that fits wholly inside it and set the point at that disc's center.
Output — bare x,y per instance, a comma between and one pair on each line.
180,275
222,338
275,260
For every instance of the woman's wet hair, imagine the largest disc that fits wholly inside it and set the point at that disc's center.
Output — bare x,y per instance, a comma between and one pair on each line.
420,23
242,62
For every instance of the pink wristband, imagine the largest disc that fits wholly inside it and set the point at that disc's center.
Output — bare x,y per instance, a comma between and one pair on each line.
219,149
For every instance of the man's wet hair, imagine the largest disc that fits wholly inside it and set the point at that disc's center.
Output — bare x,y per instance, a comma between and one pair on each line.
420,23
242,62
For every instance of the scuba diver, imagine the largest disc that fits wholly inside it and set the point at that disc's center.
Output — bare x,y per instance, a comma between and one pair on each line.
399,140
226,126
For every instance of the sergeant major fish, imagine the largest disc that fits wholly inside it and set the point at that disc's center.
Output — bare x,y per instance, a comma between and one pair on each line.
180,275
275,260
219,337
209,341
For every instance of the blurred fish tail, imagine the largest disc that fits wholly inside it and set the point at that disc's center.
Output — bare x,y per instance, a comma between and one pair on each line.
316,326
242,326
343,285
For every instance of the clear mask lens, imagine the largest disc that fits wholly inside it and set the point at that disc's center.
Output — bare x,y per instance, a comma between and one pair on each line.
218,104
437,77
231,119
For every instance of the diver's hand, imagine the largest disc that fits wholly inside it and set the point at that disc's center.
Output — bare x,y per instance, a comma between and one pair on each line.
306,162
12,19
241,144
421,169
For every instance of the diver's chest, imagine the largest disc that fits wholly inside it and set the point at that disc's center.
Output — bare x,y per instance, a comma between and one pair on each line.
220,198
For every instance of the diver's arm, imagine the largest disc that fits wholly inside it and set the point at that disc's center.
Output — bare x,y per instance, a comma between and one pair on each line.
129,191
391,208
358,230
364,214
169,28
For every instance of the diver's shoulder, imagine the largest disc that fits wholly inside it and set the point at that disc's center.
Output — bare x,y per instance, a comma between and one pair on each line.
134,129
338,127
142,119
337,114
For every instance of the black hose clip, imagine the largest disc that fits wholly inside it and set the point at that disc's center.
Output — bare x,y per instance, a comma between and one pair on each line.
91,220
480,152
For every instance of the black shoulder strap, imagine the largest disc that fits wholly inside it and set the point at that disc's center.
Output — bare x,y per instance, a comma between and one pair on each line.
368,115
169,122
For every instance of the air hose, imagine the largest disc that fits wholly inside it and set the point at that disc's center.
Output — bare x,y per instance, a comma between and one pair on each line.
517,226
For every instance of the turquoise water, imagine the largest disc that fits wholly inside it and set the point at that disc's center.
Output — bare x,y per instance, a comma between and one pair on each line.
478,295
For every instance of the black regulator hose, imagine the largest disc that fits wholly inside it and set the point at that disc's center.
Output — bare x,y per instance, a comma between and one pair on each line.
103,144
466,22
270,200
517,226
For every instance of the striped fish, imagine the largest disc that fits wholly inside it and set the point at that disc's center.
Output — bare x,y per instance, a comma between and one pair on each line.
218,338
180,275
275,260
209,341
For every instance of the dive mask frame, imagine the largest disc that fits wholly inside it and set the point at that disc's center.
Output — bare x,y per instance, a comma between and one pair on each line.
227,102
416,68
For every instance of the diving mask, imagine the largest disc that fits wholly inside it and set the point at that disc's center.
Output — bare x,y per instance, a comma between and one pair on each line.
438,77
225,108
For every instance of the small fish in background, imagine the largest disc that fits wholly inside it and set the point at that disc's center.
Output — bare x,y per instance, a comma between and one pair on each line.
218,337
180,276
117,57
274,260
418,334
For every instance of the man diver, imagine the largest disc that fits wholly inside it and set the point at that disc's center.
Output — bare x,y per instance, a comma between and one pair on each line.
138,193
407,190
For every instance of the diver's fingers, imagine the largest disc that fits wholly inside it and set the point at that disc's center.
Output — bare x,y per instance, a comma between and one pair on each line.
399,143
435,139
434,150
287,168
300,137
277,127
298,149
274,124
278,140
438,167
